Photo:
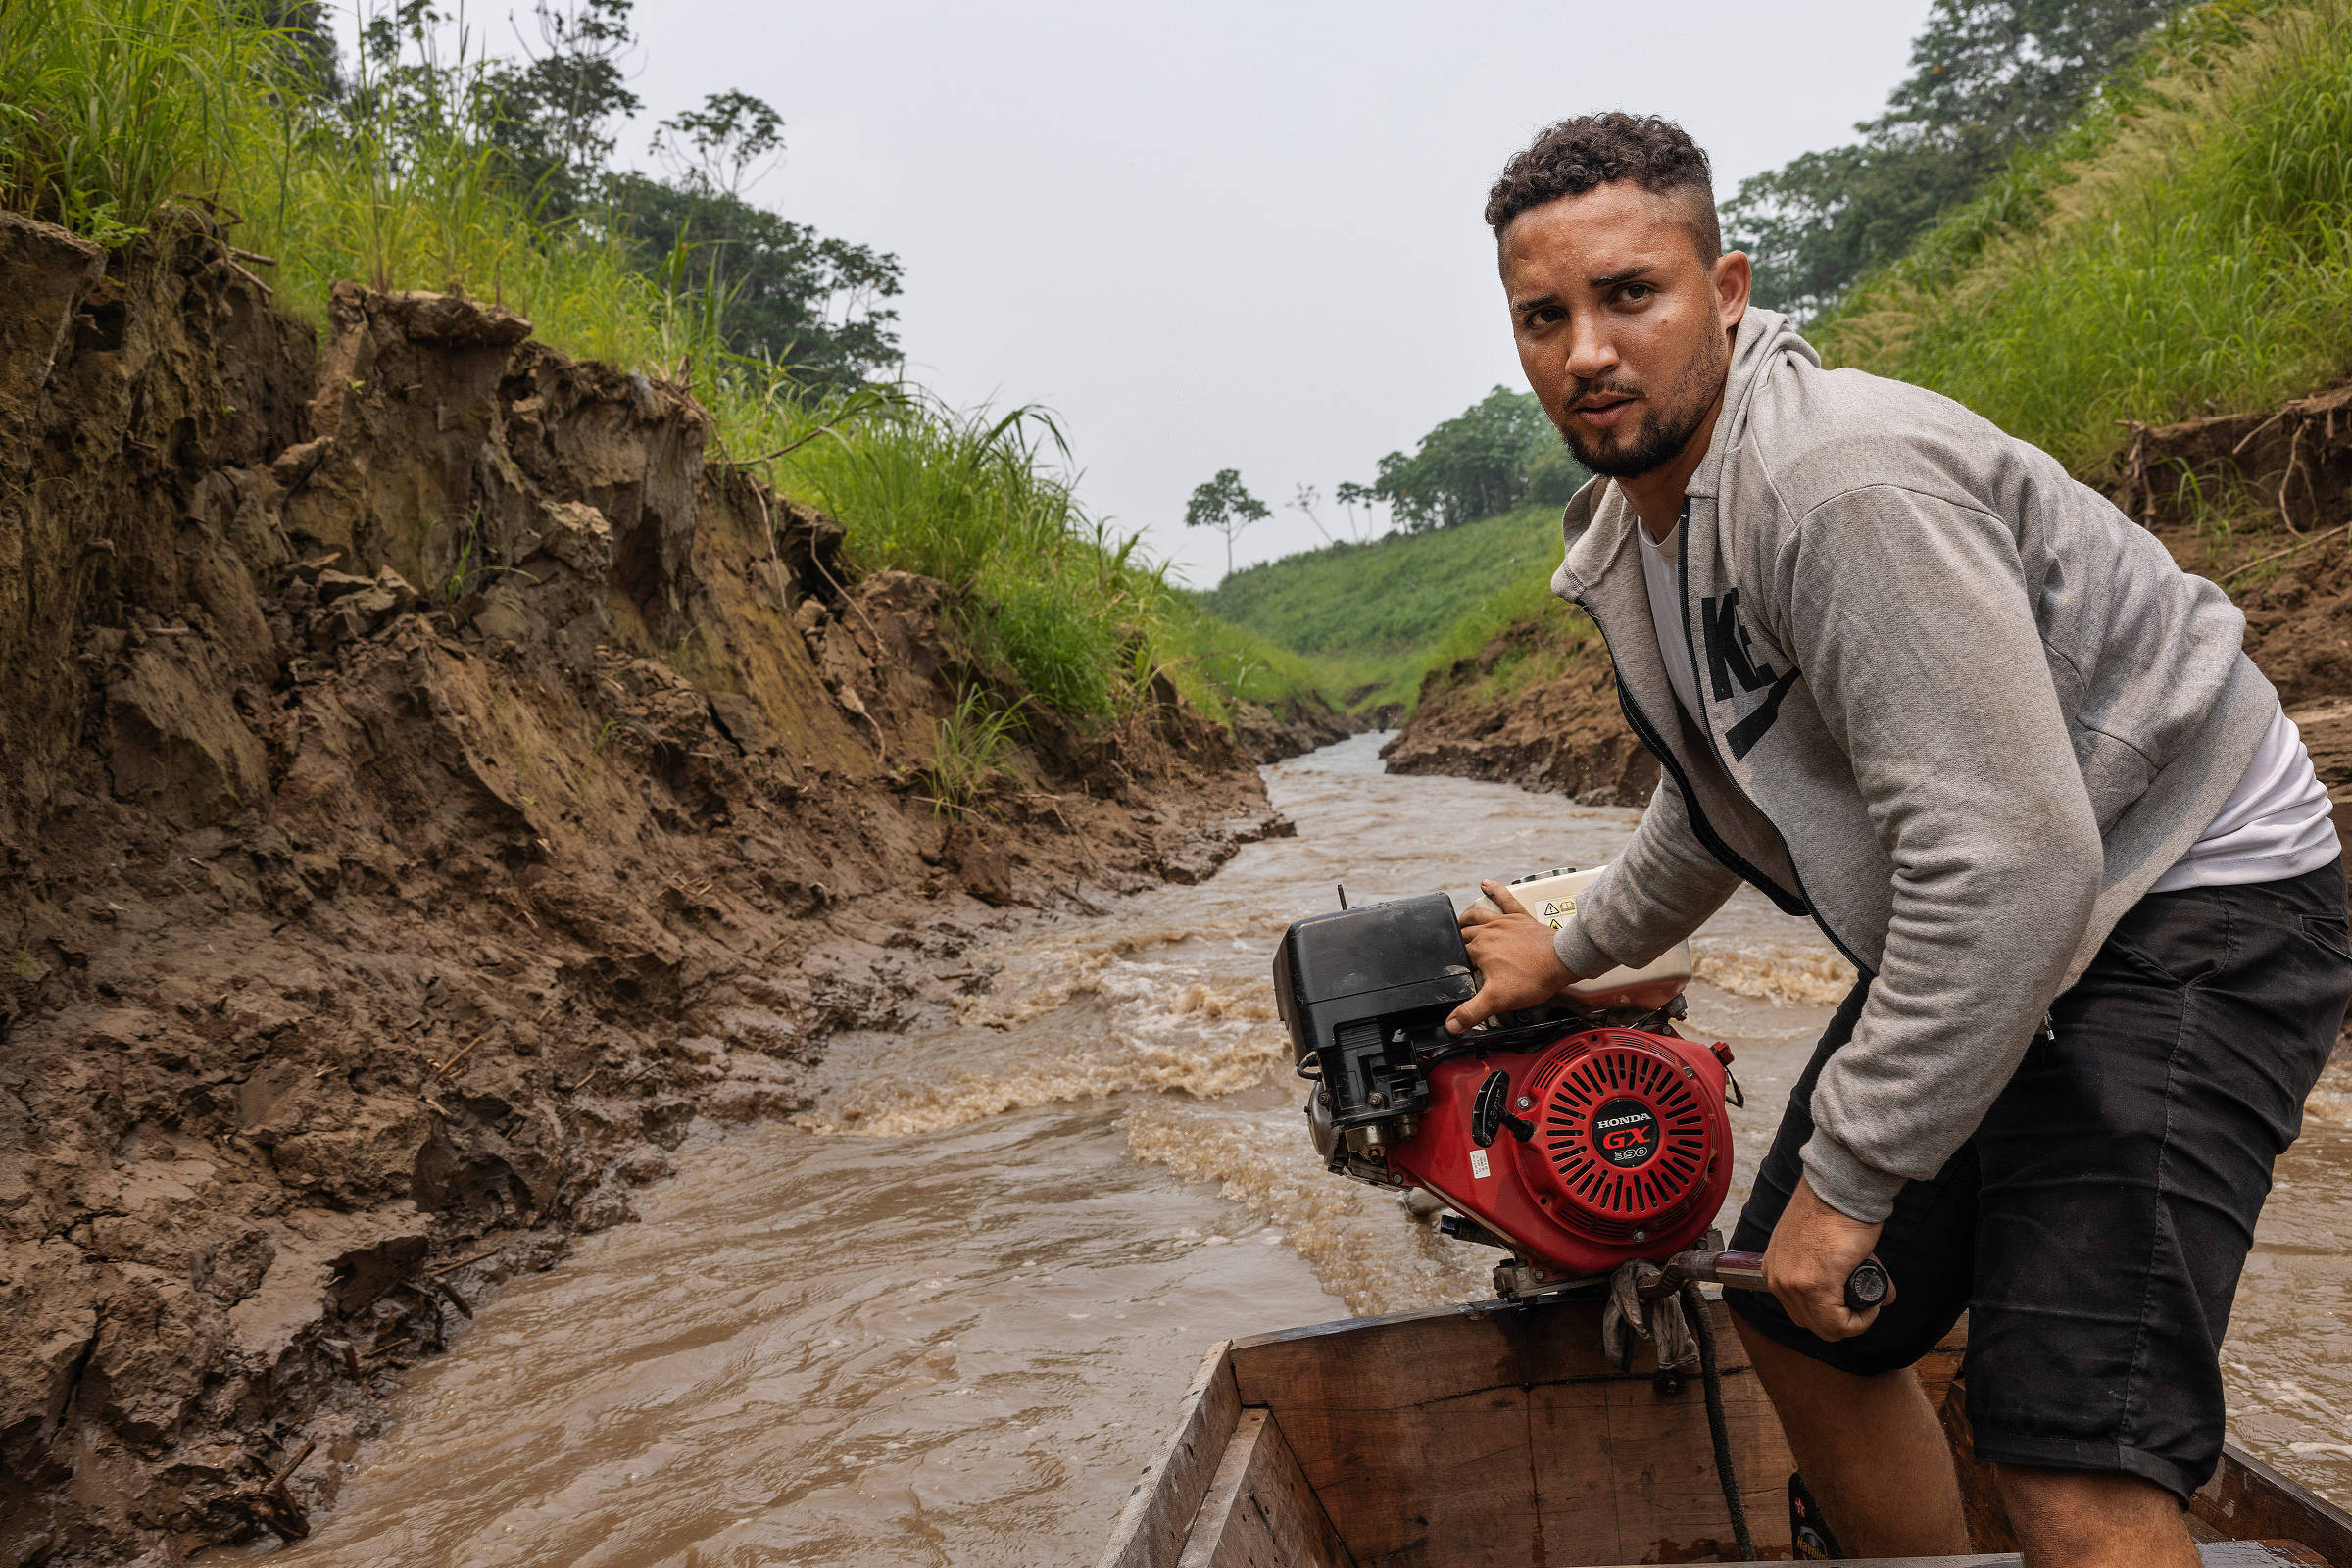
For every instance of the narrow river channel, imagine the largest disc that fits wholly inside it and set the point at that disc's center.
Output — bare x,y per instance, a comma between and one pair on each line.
944,1317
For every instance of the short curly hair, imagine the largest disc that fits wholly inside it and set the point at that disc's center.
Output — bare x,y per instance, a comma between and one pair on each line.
1579,155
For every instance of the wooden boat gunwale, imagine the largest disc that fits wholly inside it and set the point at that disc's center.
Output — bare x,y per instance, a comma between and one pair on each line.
1454,1436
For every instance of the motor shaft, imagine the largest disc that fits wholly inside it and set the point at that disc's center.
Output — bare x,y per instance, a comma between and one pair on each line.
1865,1288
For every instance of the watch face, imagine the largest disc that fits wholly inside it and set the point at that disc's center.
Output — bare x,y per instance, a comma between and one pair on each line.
1625,1133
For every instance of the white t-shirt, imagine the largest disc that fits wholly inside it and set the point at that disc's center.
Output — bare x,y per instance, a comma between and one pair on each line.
1660,563
2277,823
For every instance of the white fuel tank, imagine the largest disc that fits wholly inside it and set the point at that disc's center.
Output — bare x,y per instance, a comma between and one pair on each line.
1550,897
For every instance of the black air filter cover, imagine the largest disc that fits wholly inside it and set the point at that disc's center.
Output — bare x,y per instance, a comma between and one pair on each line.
1370,963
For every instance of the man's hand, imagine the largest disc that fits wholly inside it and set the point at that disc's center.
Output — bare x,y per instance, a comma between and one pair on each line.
1813,1248
1512,950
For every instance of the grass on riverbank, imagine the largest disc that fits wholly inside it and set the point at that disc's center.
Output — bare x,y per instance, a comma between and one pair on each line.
1371,619
112,109
2186,247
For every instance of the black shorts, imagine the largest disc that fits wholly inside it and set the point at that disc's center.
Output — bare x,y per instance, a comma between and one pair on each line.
2094,1226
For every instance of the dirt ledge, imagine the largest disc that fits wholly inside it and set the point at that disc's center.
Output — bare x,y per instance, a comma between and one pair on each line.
429,786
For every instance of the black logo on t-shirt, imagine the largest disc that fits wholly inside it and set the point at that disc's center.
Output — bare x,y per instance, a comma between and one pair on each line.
1732,658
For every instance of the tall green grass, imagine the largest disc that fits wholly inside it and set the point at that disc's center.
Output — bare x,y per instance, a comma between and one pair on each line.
1072,610
1221,665
112,111
1370,621
2185,248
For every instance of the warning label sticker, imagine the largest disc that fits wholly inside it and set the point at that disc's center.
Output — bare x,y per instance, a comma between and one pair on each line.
1555,911
1479,1166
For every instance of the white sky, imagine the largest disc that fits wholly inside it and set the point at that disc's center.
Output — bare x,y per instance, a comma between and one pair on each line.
1229,235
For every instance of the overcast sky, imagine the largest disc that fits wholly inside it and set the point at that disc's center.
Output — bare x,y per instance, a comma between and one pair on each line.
1230,236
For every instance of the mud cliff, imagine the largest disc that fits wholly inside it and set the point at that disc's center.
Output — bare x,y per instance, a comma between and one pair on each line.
430,781
2258,502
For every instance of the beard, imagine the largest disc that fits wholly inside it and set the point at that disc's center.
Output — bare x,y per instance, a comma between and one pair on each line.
1656,435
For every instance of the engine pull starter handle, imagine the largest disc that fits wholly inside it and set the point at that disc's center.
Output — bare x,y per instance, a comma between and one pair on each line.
1865,1288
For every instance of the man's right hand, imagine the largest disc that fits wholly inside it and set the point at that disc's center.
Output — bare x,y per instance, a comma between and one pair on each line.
1513,953
1812,1251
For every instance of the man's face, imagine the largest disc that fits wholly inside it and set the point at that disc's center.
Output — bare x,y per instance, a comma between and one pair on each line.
1622,328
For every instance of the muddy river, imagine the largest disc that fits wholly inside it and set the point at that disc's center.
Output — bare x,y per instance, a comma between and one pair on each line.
944,1317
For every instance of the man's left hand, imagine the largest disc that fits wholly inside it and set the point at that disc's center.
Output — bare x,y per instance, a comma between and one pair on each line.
1513,954
1812,1251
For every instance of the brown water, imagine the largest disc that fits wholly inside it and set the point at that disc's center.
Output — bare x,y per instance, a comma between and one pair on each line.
947,1318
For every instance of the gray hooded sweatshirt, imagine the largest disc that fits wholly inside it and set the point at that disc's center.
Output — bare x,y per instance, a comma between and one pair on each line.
1958,708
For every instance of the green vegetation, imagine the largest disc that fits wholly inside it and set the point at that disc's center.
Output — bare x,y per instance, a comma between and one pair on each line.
1988,80
1501,451
1227,506
2065,242
1369,619
973,749
2186,246
485,175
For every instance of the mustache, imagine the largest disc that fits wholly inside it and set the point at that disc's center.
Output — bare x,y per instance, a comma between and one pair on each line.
1609,388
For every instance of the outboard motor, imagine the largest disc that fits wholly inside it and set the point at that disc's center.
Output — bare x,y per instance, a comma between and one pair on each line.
1576,1136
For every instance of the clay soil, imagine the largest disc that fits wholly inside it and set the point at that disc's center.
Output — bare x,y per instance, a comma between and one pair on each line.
2258,502
431,781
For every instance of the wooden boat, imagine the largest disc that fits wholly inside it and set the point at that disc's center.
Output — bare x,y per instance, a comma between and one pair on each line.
1495,1433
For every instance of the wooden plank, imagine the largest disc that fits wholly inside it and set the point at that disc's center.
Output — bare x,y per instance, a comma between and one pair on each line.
1260,1511
2248,1498
1662,1468
1433,1354
1152,1527
1488,1435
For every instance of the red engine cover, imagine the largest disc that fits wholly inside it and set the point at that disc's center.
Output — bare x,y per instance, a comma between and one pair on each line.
1631,1158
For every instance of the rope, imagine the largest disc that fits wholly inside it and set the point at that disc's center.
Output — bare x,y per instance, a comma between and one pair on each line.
1694,1310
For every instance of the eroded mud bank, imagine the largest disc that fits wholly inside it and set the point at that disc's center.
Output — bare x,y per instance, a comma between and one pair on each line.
429,783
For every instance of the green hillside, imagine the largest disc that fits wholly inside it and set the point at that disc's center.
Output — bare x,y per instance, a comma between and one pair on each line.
2184,247
1370,618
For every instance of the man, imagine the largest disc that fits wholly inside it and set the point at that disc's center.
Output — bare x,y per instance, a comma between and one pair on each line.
1906,676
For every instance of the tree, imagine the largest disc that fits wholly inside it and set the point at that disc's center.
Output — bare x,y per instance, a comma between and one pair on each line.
765,286
716,147
1989,77
551,113
1223,505
1475,465
1304,501
1353,498
778,290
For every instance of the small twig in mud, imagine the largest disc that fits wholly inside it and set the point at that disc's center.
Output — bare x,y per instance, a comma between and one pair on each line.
2306,539
277,1482
2277,415
452,1268
877,631
267,292
767,521
585,1082
451,1291
443,1069
2294,461
280,1511
439,1109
